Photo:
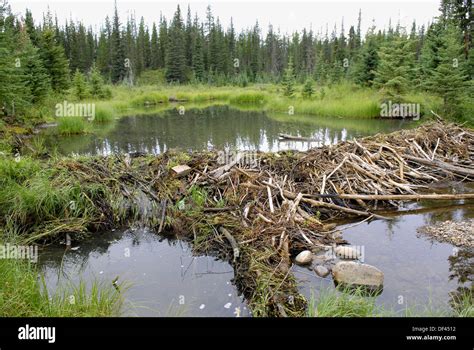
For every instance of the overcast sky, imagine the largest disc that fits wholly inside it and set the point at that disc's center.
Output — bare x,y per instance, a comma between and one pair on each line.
286,15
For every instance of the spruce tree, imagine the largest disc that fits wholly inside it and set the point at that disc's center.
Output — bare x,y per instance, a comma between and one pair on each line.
54,60
10,84
367,62
155,49
176,56
394,71
117,51
308,89
198,57
97,86
449,78
35,77
288,81
81,90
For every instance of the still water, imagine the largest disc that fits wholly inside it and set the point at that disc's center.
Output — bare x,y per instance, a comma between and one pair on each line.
216,127
166,279
418,271
161,275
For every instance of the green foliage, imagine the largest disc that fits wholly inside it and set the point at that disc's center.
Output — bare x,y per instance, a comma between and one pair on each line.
71,125
81,88
23,294
394,71
103,114
308,89
152,77
54,60
449,78
97,86
117,51
367,63
288,80
251,97
176,59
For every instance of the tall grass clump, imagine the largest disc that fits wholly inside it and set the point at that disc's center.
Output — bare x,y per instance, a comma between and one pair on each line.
342,303
104,114
71,126
149,98
249,97
24,294
354,302
38,197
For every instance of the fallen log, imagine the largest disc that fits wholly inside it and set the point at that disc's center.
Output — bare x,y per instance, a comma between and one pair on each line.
316,203
409,197
399,197
442,165
296,138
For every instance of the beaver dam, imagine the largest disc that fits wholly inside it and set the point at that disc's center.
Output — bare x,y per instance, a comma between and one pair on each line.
262,211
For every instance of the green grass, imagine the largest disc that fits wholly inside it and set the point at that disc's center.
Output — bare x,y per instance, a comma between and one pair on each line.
104,114
23,294
344,100
149,98
35,195
72,126
345,302
249,97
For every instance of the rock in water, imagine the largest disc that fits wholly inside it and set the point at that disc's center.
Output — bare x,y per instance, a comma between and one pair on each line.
304,258
345,252
356,274
321,271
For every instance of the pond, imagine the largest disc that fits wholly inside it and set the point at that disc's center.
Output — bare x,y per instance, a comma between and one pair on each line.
168,280
215,127
162,277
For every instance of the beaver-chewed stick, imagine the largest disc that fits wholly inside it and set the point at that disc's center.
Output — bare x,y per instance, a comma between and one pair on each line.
232,242
316,203
442,165
399,197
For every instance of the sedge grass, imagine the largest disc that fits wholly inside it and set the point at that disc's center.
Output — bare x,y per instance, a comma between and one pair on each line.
23,294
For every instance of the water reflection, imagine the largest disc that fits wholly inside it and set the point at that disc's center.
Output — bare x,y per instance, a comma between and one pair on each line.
166,278
216,127
415,267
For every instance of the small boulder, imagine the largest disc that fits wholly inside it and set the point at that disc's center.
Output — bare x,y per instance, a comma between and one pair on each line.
345,252
304,258
357,274
321,271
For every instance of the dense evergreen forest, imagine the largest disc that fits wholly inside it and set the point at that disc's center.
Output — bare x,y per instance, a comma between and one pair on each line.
39,56
256,149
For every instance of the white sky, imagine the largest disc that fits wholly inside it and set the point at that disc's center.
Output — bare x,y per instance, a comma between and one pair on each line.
286,15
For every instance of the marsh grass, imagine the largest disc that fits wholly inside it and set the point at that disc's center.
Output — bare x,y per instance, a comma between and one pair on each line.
24,294
34,195
104,114
149,98
72,126
343,100
347,302
249,97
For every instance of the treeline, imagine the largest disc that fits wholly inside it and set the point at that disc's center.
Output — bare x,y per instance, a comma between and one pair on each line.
438,58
